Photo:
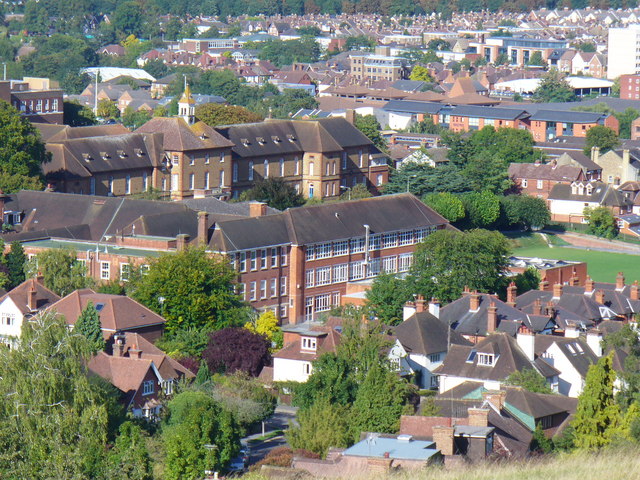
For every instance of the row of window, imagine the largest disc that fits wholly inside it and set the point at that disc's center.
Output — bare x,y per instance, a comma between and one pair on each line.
259,259
40,106
320,303
358,245
317,277
539,183
263,289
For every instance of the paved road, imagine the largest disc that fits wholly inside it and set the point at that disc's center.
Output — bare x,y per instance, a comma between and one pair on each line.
278,421
587,242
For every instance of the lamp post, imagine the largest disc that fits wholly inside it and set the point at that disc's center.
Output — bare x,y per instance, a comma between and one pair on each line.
409,179
342,187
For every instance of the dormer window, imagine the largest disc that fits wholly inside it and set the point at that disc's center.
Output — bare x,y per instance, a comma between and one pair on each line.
244,142
203,136
87,157
291,138
260,140
589,189
309,343
276,139
139,152
104,155
122,153
486,359
574,189
580,190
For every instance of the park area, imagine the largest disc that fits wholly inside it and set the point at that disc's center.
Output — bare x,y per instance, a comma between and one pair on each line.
602,266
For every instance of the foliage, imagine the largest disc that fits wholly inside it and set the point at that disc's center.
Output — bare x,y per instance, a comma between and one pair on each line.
601,221
429,408
360,42
627,340
107,109
525,211
529,379
447,261
356,192
554,87
483,208
368,124
61,271
286,52
190,289
536,59
15,260
527,280
540,442
198,435
77,115
321,426
275,192
285,104
57,55
332,378
88,325
134,119
266,324
387,296
214,114
232,349
55,423
129,458
426,126
602,137
185,343
427,179
22,152
421,73
446,204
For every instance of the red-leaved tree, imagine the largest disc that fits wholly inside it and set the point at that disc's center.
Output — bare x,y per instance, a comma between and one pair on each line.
234,348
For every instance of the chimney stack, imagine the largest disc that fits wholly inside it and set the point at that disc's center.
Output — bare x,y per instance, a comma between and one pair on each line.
620,282
549,309
589,285
443,437
257,209
434,307
420,304
544,285
575,280
594,340
181,242
474,301
32,302
492,318
203,228
571,331
495,398
118,344
600,296
478,417
557,290
350,116
408,310
526,340
512,293
537,307
633,291
135,352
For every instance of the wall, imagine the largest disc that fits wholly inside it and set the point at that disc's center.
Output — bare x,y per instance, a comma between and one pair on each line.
9,308
285,369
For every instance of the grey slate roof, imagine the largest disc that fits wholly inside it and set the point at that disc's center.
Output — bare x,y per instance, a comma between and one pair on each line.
215,206
488,112
425,334
566,116
409,85
562,173
576,350
409,106
602,193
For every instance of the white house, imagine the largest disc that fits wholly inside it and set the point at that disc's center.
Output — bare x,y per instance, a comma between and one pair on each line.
19,305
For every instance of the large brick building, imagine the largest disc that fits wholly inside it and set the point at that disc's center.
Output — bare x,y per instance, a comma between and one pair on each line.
34,98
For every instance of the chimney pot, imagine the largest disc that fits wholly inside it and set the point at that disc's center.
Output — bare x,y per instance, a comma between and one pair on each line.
600,296
420,304
557,290
181,242
203,228
512,293
257,209
492,318
620,281
634,291
474,301
32,302
589,285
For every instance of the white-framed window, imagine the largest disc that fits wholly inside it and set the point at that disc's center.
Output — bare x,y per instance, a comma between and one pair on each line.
327,168
192,181
310,253
389,240
207,158
175,159
250,170
525,183
296,163
283,256
234,172
222,157
105,270
374,242
323,250
379,180
373,268
539,184
282,167
242,260
335,299
306,368
390,264
356,270
192,159
55,105
357,245
360,158
242,291
323,302
421,234
486,359
309,343
340,248
206,180
145,181
434,357
274,257
110,185
254,260
323,276
252,291
266,168
311,168
405,238
127,184
405,260
283,286
8,319
263,259
474,122
344,160
263,289
309,278
340,273
283,311
125,272
148,387
274,287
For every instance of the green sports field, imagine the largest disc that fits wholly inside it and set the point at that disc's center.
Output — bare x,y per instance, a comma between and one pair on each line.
602,266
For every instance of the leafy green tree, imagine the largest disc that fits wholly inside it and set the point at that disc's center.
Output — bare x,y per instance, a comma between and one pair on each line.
529,379
332,378
438,44
77,115
285,104
266,324
61,271
320,427
135,118
214,114
286,52
129,459
525,211
487,172
128,18
368,124
360,42
540,442
527,280
446,204
554,87
198,435
483,208
597,415
428,408
357,192
387,296
447,261
536,59
191,290
601,221
107,109
55,422
379,402
426,126
88,325
602,137
421,73
502,59
203,376
422,179
275,192
15,260
627,340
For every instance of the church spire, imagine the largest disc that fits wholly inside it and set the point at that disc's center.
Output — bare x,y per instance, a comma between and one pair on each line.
186,105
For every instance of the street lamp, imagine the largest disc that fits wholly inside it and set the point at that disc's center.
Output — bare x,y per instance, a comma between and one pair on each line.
342,187
409,179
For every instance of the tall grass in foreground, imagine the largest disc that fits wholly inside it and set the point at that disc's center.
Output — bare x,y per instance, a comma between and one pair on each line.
610,464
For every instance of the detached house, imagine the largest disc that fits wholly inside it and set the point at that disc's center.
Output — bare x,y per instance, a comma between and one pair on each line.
537,179
567,202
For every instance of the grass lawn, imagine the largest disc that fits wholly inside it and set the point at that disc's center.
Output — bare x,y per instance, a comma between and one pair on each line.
602,266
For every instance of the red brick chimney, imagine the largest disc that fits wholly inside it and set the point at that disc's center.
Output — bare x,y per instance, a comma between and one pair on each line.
492,318
350,115
600,296
549,309
557,290
589,285
620,281
495,398
181,242
32,302
544,285
203,228
135,352
633,291
257,209
512,293
474,301
537,307
478,417
575,280
420,303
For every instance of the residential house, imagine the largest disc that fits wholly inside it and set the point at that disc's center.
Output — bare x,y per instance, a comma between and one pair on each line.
19,305
567,202
618,165
537,179
143,373
117,313
550,271
590,169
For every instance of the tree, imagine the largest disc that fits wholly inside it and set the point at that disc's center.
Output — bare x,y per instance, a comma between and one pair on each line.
275,192
368,124
128,18
601,221
135,118
421,179
191,290
285,104
232,349
56,422
421,73
483,208
88,325
214,114
525,211
129,458
22,153
446,204
15,261
356,192
529,379
332,378
77,115
198,435
429,408
540,442
597,415
627,340
320,427
107,109
447,261
527,280
267,325
536,59
61,271
387,296
601,137
554,87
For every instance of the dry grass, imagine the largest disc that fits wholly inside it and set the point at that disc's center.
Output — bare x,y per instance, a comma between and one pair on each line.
606,465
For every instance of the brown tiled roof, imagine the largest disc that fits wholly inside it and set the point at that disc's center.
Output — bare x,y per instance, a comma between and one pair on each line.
125,373
20,295
180,136
562,173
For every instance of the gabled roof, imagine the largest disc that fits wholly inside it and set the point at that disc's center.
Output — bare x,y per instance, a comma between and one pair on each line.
602,193
179,136
20,296
566,116
549,171
124,373
488,112
409,106
575,350
425,334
